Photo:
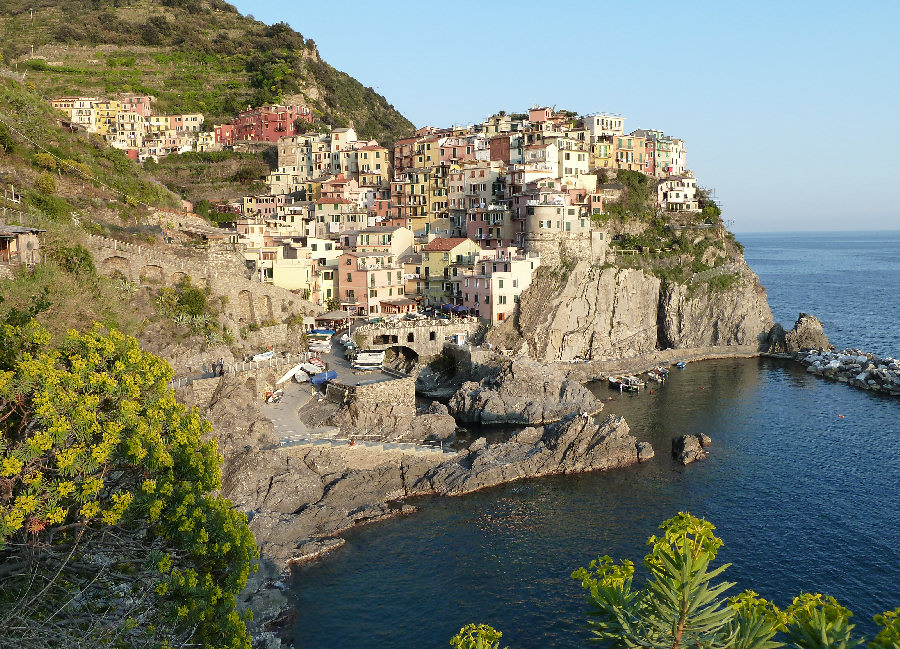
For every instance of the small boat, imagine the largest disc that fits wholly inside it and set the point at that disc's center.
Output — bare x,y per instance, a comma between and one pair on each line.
680,365
632,384
626,383
264,356
658,374
315,360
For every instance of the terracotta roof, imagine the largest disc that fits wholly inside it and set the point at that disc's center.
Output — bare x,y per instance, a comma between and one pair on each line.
443,244
372,147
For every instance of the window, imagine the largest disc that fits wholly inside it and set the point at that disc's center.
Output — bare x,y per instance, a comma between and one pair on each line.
500,283
373,293
349,277
431,335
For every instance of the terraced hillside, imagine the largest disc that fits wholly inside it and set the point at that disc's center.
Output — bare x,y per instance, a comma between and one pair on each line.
193,55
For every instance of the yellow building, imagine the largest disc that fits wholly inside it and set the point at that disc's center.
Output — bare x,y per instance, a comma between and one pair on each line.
106,112
601,154
374,166
628,151
438,257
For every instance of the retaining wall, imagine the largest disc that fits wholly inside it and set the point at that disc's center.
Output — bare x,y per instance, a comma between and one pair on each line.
246,301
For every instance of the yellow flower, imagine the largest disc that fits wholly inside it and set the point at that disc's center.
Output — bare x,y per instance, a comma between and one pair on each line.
65,488
90,510
34,477
56,515
10,466
14,519
27,503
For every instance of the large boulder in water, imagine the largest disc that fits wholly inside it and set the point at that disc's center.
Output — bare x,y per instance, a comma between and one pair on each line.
690,448
807,333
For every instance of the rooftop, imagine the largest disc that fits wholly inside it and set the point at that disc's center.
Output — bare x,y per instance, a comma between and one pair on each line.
443,244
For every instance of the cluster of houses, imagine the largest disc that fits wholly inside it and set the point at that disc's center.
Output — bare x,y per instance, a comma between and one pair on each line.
456,218
130,123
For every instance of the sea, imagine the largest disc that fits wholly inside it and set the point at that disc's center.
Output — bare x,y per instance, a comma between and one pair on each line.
802,484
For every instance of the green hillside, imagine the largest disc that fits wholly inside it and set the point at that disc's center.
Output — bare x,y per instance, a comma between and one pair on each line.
193,55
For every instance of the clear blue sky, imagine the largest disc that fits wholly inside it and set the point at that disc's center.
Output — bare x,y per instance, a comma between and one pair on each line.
789,109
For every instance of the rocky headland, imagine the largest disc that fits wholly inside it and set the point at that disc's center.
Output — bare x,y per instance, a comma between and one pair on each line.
607,313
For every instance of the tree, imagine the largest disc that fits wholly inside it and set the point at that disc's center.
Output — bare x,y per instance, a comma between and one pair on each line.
476,636
110,534
681,606
332,304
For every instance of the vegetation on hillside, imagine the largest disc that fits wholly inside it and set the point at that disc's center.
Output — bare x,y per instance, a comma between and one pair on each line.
59,173
110,532
682,604
684,248
193,55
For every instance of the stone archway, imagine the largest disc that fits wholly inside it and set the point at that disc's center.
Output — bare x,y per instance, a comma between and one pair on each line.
152,274
401,357
177,277
114,265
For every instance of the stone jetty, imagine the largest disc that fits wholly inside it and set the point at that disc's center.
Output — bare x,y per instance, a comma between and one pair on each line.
856,368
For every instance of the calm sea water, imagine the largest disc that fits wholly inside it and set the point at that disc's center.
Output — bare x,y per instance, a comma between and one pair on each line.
804,499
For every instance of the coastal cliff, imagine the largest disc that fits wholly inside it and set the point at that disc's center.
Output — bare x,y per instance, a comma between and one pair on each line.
599,312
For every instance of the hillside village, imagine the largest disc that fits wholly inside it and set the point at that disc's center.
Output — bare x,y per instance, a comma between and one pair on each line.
456,218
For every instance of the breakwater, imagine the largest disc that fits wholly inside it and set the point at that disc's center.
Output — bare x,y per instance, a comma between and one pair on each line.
856,368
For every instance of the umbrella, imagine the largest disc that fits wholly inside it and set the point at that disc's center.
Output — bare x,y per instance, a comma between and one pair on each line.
446,307
460,309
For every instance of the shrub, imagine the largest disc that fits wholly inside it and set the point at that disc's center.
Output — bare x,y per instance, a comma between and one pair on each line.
44,161
45,184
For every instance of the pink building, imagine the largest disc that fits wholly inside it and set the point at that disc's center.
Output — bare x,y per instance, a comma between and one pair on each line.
269,123
264,205
139,104
492,292
366,279
225,134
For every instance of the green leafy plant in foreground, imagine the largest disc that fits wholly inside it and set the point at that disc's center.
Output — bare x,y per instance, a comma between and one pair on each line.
111,532
683,605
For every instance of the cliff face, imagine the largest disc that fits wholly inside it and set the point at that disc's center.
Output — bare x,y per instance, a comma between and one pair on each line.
605,312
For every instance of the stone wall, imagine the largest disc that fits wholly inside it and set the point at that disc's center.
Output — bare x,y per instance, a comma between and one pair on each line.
393,393
591,246
425,337
246,301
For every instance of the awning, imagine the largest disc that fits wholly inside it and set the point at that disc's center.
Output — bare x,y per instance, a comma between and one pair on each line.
460,309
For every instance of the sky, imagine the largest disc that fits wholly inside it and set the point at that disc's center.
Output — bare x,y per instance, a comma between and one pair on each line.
788,109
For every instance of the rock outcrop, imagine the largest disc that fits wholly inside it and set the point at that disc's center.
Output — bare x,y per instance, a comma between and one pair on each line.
524,391
575,444
690,448
605,312
808,333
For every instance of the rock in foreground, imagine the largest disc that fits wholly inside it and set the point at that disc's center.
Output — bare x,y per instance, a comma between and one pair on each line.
525,392
573,445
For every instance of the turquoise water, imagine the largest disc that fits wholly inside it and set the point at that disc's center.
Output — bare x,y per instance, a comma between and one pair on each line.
804,499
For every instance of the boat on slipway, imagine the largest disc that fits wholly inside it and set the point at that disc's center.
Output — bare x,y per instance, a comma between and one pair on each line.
626,383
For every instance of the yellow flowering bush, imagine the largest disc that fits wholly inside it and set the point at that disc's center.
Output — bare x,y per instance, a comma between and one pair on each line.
91,440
